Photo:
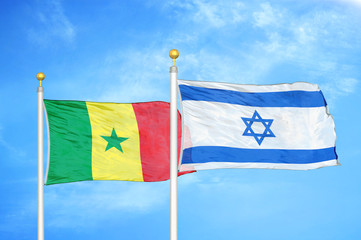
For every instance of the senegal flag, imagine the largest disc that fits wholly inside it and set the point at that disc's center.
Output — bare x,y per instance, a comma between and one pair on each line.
108,141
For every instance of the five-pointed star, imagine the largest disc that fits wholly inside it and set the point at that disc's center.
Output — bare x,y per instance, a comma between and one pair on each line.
114,141
258,136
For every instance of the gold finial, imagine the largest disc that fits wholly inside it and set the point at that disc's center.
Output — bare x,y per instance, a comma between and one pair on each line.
173,54
40,76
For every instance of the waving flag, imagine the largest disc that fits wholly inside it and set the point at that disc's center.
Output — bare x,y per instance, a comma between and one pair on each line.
284,126
108,141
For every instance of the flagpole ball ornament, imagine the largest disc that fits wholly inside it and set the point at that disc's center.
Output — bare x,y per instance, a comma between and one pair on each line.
40,76
174,55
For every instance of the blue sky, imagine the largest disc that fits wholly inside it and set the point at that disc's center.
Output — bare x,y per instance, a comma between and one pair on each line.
118,51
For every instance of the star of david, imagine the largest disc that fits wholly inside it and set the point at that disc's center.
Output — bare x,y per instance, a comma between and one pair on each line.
258,136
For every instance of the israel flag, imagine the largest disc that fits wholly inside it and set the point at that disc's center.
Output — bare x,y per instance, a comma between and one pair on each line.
283,126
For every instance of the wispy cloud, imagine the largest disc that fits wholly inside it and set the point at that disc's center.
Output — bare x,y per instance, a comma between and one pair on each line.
267,16
52,23
20,218
133,76
214,14
336,88
348,85
315,43
82,204
243,196
353,2
13,151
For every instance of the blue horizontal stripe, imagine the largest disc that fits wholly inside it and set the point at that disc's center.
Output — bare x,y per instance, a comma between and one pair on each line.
262,99
228,154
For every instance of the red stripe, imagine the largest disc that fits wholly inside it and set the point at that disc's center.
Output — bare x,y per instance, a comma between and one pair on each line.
153,124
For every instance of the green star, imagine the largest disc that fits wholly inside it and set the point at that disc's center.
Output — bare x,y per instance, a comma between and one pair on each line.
114,141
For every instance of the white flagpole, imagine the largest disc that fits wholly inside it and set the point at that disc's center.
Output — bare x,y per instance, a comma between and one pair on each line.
173,148
40,76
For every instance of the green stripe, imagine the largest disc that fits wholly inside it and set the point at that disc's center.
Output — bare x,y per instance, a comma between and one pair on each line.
70,142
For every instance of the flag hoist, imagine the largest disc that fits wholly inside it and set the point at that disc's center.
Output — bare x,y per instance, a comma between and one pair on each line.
40,76
173,148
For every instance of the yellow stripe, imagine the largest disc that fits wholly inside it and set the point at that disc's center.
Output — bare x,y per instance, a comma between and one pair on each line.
112,164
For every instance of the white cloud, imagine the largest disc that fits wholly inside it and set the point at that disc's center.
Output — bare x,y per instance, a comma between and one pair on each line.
207,65
283,37
339,87
348,85
218,15
268,16
315,43
311,42
122,75
305,41
52,24
215,14
353,2
304,34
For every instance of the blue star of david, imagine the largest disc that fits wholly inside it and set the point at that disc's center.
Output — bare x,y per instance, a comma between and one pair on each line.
258,136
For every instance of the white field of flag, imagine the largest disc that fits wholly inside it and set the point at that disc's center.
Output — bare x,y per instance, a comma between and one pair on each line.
283,126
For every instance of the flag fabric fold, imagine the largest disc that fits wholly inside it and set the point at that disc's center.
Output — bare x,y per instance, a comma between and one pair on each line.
108,141
283,126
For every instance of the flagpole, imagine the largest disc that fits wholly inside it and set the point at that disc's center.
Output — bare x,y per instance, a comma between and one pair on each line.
40,76
173,148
